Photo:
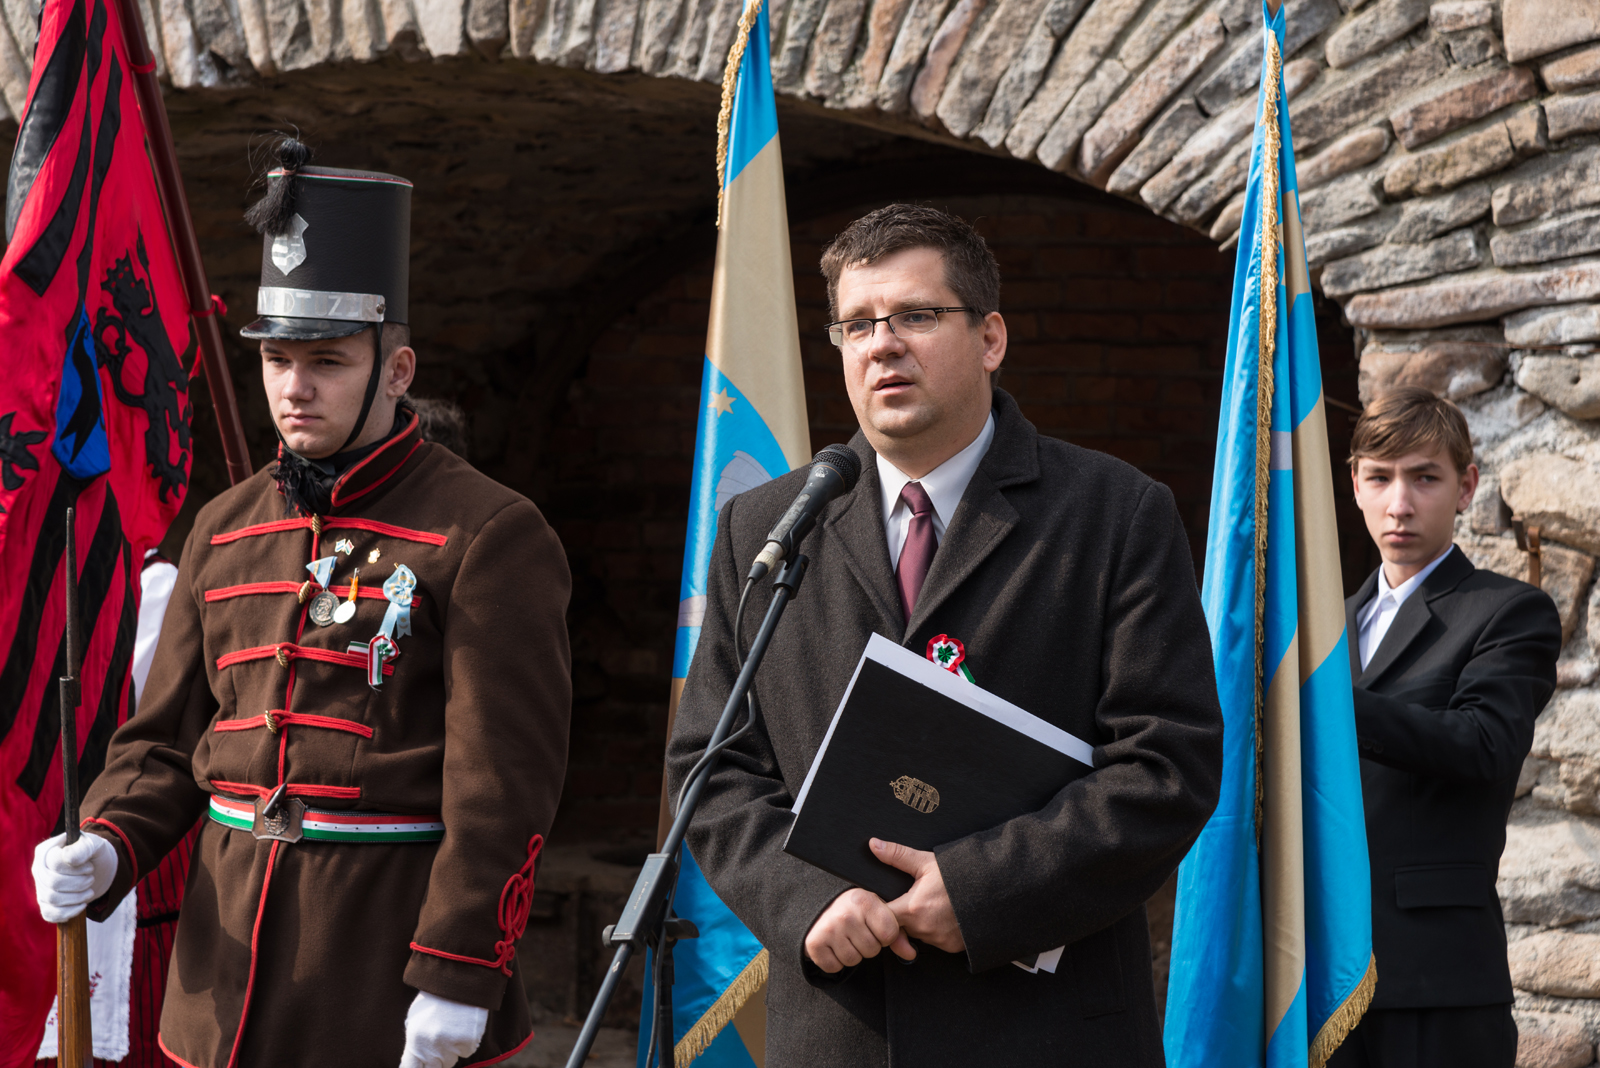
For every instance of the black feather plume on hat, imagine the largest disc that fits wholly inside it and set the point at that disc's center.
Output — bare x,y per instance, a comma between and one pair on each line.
271,214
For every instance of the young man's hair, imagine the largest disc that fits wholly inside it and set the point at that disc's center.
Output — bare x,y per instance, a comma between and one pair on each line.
1411,419
396,336
970,269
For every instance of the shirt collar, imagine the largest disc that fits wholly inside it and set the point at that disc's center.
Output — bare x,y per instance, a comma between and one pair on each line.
1405,589
945,484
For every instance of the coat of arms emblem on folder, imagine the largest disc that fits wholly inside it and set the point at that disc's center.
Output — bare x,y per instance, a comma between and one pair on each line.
916,793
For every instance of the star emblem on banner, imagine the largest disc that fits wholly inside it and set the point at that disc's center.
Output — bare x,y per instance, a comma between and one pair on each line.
721,403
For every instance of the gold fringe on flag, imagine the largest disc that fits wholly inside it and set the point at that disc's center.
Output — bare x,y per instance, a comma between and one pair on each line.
1266,345
730,83
724,1009
1345,1017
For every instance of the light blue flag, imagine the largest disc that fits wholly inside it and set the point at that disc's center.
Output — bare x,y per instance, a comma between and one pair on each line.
1272,943
752,428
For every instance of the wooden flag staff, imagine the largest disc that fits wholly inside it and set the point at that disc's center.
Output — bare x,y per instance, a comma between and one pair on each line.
74,1049
202,305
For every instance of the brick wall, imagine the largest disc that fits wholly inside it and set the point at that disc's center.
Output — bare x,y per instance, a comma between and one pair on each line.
1118,324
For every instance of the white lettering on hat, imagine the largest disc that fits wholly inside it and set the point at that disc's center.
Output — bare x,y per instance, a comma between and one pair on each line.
289,249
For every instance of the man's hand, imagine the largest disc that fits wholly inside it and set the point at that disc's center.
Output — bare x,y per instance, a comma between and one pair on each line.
924,912
856,926
66,878
440,1032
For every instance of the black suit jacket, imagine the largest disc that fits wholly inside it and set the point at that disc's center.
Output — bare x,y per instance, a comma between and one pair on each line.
1067,575
1444,720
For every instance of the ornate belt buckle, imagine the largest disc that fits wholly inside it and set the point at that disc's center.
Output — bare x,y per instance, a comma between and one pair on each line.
279,819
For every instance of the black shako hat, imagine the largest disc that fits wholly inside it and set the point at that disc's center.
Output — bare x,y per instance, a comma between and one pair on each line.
336,250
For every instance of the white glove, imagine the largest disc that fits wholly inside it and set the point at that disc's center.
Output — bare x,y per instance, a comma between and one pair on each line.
440,1032
67,877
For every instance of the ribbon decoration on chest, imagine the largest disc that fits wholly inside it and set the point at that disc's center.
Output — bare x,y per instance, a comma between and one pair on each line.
398,588
322,570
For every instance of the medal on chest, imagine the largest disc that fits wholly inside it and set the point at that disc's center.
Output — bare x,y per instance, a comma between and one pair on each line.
324,604
347,611
400,590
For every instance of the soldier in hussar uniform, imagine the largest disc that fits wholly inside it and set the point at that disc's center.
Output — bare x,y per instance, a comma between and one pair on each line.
362,680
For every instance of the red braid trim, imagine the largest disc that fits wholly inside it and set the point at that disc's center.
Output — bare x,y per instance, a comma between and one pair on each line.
290,719
246,789
515,901
297,652
226,592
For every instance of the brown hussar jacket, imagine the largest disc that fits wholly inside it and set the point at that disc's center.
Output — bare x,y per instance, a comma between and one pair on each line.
311,953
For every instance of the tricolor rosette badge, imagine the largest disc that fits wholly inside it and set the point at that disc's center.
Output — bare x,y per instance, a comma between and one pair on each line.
950,654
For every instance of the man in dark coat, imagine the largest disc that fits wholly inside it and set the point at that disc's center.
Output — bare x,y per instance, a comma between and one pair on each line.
1451,665
363,680
1067,576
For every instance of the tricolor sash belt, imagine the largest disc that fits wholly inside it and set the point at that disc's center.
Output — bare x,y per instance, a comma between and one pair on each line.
327,826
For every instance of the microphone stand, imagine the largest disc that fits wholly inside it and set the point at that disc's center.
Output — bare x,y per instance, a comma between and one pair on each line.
647,918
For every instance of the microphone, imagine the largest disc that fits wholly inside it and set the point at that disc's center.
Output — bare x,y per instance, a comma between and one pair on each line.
834,471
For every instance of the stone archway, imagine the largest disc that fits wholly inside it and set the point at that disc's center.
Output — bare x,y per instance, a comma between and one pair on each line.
1448,161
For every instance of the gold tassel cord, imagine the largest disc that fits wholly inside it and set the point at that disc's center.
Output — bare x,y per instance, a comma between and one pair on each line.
730,84
722,1011
1345,1017
1267,346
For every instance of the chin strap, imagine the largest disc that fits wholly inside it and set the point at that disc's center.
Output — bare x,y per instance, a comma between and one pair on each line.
372,387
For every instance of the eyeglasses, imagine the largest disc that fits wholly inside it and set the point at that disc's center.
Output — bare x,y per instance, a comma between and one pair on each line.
857,332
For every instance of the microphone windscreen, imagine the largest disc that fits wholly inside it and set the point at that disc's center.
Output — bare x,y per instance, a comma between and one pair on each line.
842,459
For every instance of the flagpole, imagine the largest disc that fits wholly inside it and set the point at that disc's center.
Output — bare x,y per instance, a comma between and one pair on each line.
202,305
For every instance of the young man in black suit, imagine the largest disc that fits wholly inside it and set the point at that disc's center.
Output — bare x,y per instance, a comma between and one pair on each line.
1068,578
1451,665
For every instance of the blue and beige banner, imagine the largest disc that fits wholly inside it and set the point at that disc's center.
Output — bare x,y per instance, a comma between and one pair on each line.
1272,961
752,428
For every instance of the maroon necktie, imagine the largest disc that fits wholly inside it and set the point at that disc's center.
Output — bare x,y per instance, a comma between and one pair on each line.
921,543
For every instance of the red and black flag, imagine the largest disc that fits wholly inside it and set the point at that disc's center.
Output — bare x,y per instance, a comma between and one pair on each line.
96,349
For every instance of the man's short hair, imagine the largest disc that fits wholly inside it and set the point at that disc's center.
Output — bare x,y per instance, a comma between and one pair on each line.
970,269
1411,419
396,336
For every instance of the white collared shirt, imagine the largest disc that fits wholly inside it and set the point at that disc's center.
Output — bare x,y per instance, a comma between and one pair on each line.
1373,621
944,485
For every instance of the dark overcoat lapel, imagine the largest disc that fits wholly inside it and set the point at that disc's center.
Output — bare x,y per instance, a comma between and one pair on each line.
858,522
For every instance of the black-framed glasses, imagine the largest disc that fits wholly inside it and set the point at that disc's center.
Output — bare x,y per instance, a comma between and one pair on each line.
856,332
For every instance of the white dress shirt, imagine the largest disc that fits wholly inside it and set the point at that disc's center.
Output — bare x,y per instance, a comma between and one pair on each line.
1373,621
944,485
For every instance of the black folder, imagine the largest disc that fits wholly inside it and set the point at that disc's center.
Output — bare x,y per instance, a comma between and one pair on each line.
920,756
